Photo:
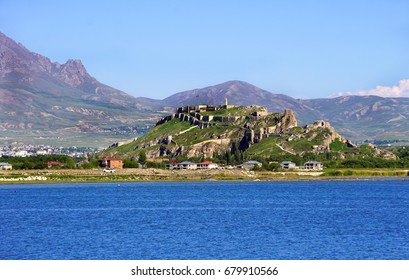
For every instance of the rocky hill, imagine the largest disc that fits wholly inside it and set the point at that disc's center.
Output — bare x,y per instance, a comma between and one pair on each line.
207,131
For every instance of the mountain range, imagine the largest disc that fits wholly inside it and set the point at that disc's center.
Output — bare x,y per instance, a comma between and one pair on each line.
40,98
356,117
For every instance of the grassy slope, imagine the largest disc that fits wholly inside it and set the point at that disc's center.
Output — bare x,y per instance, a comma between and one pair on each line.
197,135
265,148
175,126
169,128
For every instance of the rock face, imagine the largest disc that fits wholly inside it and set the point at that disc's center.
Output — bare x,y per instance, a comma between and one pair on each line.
288,120
72,73
383,153
326,132
20,65
21,68
330,135
208,148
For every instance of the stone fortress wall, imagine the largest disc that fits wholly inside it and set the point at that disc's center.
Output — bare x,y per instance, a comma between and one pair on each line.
193,115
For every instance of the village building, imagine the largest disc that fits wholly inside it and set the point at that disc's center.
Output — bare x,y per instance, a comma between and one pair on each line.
110,162
203,108
52,164
172,164
22,154
187,165
250,164
207,165
5,166
313,165
287,165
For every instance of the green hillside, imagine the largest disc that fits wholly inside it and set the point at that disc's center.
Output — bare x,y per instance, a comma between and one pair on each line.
220,132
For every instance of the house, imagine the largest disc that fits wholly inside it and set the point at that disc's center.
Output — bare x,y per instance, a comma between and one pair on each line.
110,162
288,165
250,164
313,165
22,154
51,164
207,165
187,165
172,164
5,166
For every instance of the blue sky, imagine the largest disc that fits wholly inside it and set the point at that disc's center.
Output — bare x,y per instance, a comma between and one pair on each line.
155,48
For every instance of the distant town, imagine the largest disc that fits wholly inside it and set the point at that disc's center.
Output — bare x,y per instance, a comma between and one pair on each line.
36,150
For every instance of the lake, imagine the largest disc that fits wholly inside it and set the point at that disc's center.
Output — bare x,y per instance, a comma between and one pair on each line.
357,219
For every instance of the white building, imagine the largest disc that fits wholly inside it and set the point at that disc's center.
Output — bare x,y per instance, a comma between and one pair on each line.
187,165
5,166
250,164
207,165
287,165
313,165
22,154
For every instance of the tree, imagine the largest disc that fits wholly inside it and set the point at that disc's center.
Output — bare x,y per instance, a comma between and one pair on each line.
142,157
91,164
273,166
228,157
238,156
128,163
403,152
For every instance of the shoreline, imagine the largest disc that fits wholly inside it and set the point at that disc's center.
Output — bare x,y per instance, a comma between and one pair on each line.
50,176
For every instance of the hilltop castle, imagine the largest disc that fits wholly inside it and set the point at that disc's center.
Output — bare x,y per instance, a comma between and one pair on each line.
203,108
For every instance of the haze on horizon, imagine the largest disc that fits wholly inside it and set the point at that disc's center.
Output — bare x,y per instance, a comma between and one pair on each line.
305,49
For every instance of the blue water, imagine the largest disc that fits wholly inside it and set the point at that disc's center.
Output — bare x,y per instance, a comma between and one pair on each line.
207,220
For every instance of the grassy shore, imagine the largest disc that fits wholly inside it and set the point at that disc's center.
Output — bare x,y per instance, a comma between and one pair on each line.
141,175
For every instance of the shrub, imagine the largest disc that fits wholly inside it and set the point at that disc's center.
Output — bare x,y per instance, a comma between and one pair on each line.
334,173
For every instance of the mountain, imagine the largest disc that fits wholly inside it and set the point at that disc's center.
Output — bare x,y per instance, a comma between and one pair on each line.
357,117
48,99
63,102
244,94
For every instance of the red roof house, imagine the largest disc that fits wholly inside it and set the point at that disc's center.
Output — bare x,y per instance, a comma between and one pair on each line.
110,162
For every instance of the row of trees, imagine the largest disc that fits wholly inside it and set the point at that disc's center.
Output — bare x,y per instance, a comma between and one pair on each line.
40,162
330,160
